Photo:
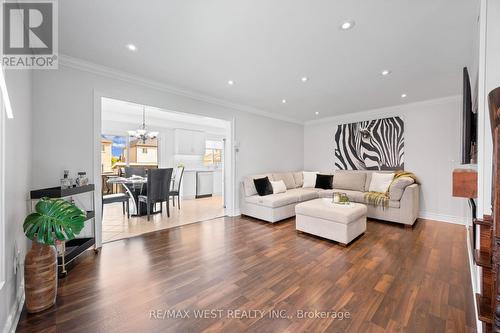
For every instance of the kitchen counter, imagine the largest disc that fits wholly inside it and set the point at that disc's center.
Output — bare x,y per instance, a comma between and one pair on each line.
202,169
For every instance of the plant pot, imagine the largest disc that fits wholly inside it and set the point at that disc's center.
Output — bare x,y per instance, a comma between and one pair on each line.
40,277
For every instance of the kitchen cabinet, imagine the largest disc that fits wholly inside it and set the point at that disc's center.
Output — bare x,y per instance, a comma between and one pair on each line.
188,186
188,142
218,182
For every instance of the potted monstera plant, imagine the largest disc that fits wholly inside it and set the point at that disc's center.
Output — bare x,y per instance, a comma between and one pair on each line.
53,220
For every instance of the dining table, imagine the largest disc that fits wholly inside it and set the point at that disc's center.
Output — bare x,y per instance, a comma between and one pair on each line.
134,186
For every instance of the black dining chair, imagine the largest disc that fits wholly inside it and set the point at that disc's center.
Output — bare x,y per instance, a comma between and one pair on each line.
158,189
117,197
176,186
135,171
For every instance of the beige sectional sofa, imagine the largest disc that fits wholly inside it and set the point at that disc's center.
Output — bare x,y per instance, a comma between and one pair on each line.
403,205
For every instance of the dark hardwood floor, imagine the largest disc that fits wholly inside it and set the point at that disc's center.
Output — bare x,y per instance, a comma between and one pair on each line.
391,279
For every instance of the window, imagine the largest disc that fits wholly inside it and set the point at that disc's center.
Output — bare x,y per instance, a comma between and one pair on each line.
212,156
213,152
144,150
113,151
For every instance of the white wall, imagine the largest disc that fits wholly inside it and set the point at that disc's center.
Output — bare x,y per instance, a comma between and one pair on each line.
17,185
63,136
432,149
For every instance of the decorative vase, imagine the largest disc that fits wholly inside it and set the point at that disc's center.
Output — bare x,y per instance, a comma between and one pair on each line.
40,277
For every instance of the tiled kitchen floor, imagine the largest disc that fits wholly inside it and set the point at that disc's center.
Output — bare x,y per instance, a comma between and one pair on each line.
116,226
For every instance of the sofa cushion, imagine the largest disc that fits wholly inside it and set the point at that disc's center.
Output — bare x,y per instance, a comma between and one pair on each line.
398,187
305,193
286,177
250,186
354,196
263,186
299,178
346,180
368,180
314,189
274,200
324,182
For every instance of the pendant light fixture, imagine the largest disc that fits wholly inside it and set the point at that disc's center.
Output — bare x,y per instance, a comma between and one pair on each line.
142,133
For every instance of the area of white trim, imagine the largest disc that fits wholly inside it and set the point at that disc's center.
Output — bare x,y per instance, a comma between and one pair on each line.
236,212
391,110
86,66
5,95
483,136
15,313
229,166
474,281
442,217
3,274
96,156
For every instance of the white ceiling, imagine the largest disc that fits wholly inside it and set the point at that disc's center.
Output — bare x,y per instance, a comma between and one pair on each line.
267,46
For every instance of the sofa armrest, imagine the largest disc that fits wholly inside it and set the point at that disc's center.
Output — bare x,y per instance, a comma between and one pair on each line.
409,203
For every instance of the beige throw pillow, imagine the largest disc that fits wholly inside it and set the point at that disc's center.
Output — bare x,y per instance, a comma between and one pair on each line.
287,178
309,179
278,186
380,182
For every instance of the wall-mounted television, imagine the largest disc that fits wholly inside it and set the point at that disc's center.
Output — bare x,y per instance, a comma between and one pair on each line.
469,130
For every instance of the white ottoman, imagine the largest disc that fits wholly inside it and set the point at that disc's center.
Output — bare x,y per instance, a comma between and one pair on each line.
341,223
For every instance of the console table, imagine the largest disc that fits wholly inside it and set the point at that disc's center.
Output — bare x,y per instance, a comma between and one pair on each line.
70,250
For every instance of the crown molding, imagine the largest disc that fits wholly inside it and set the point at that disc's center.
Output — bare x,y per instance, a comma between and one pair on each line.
390,110
83,65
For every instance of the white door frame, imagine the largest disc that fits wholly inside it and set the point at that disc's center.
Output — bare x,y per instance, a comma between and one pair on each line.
229,165
3,248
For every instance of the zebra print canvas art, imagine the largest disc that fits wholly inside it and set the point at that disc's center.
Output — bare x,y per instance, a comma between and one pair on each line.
370,145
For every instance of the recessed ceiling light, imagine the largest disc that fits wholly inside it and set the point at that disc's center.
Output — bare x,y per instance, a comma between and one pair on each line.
385,72
316,113
347,25
230,82
131,47
304,79
403,95
283,101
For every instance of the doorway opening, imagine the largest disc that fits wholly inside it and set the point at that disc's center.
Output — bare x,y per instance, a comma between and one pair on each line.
192,151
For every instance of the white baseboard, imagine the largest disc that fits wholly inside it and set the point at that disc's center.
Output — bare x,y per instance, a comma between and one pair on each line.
423,215
15,313
236,212
443,218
